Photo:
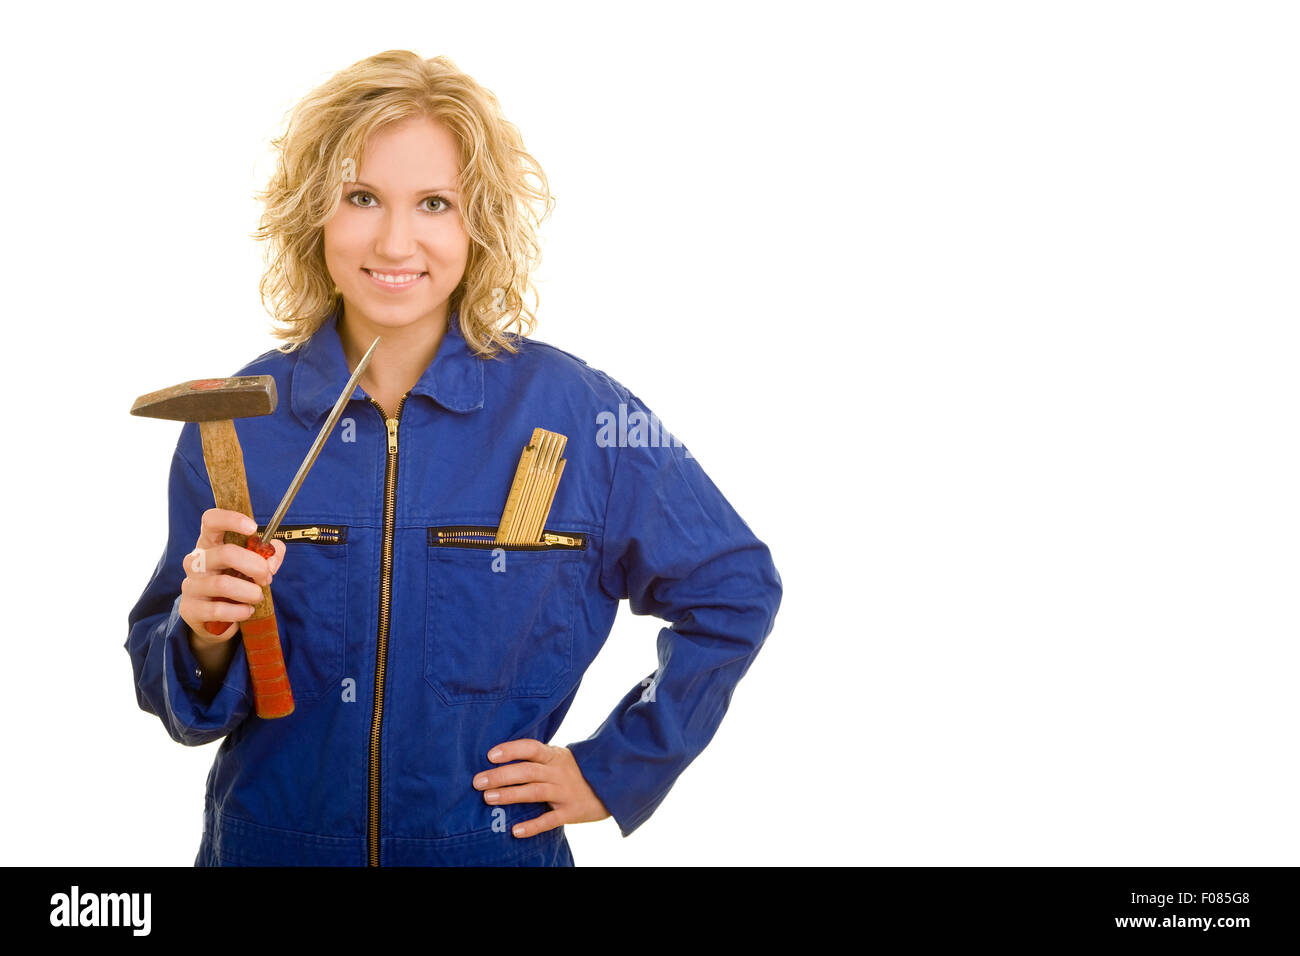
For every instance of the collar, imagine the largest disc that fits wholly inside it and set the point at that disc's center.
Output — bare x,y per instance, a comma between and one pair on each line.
454,379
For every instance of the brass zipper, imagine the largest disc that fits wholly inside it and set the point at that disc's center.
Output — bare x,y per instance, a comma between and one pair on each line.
483,536
326,534
385,605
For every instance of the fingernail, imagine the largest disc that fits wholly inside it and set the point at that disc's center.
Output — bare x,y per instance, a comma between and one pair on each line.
495,754
491,796
250,526
481,782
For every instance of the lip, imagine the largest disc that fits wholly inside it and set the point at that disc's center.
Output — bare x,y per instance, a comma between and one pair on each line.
389,287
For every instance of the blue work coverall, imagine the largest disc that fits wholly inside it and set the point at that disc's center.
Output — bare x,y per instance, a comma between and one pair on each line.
412,646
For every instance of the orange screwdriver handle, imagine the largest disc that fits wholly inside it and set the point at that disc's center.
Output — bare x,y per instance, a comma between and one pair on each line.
272,696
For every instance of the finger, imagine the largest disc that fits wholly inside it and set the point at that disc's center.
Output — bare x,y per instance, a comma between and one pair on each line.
240,559
221,610
217,521
547,821
216,560
527,793
278,558
196,562
526,748
524,772
213,586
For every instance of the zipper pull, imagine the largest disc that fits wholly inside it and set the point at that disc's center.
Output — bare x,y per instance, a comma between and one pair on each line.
299,534
392,436
549,538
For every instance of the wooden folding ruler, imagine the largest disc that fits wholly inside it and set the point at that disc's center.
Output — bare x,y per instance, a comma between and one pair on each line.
533,489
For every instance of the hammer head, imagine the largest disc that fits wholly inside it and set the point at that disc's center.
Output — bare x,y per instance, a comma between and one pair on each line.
210,399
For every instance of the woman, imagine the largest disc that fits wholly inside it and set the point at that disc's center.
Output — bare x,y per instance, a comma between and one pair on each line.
430,666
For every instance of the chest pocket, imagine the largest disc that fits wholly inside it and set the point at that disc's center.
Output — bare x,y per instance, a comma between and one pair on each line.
499,617
310,595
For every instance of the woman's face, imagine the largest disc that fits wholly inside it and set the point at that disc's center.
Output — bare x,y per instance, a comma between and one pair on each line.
396,247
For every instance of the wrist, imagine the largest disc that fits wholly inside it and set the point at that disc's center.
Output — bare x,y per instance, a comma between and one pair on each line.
210,649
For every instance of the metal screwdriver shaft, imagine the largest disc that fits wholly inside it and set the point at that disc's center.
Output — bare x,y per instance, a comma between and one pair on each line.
274,524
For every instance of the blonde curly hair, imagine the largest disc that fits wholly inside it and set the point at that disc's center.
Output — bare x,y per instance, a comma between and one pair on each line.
325,137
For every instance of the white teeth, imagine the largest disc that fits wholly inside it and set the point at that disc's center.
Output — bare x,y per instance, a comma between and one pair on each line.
395,280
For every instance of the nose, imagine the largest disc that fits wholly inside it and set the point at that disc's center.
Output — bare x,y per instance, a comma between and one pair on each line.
396,239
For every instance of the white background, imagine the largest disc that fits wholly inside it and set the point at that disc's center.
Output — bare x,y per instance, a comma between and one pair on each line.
983,315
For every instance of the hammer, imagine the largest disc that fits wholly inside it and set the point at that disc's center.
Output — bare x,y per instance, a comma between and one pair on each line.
214,403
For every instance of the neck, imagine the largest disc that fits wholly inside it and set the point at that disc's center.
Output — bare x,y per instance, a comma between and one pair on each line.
402,356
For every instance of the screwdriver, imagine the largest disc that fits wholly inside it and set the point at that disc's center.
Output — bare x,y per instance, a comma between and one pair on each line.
261,543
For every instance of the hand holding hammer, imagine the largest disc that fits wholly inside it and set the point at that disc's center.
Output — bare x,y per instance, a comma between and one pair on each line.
214,404
209,596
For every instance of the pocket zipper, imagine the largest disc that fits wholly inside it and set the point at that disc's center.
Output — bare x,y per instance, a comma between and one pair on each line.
483,536
320,533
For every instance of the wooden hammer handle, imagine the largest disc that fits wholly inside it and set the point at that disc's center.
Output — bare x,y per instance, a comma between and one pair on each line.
272,696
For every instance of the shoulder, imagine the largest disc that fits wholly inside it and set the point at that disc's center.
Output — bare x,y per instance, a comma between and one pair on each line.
535,352
559,368
277,364
271,362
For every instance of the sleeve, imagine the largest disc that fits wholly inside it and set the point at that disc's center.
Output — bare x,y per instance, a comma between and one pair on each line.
676,549
166,671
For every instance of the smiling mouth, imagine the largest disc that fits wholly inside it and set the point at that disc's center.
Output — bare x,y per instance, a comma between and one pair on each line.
394,279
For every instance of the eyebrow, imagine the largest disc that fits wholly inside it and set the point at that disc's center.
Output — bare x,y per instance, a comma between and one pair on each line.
435,189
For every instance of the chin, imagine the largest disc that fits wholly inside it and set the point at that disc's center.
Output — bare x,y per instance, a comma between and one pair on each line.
392,313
